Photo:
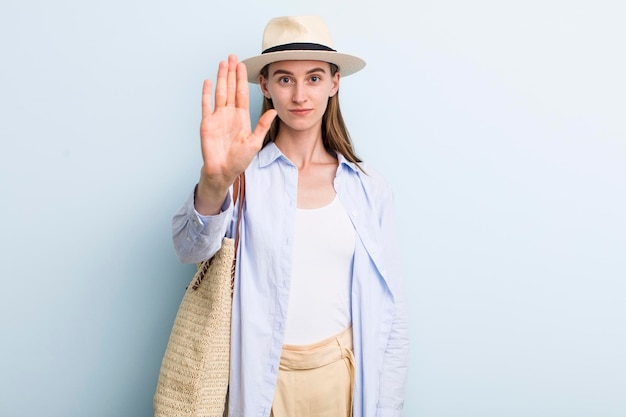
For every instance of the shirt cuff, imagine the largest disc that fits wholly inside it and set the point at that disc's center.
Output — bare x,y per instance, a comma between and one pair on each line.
207,219
207,225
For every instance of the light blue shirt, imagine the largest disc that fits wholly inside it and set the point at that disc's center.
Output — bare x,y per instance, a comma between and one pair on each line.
379,315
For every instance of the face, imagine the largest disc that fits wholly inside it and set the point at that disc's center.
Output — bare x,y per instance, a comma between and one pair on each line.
299,91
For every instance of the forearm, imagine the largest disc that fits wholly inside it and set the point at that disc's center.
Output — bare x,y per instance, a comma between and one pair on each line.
210,194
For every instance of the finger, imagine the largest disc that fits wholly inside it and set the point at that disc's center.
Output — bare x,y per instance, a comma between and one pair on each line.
231,80
206,99
263,126
220,87
242,99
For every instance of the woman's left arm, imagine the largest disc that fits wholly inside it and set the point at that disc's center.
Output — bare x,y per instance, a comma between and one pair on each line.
394,373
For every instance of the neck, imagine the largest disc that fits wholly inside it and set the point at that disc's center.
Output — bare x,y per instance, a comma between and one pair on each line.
302,148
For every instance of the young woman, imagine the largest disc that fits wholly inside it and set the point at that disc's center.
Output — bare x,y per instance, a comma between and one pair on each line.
319,324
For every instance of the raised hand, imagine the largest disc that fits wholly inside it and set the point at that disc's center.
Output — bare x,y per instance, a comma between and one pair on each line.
227,141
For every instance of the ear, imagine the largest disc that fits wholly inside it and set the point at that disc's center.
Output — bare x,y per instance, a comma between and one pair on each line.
263,85
335,84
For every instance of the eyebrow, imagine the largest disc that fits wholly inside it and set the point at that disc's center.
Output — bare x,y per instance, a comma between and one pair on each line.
285,72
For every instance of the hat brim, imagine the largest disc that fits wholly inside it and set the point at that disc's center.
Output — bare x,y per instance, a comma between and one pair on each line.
348,64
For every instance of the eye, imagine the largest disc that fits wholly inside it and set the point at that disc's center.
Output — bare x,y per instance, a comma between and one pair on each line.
315,78
284,80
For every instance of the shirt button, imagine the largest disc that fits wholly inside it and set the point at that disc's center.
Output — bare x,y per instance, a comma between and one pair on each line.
354,214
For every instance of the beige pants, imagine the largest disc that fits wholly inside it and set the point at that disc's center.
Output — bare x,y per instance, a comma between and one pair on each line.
316,380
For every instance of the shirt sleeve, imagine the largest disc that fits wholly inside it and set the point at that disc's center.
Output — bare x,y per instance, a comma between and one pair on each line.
394,373
198,237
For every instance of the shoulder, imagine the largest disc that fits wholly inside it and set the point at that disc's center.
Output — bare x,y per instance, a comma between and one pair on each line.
367,187
374,181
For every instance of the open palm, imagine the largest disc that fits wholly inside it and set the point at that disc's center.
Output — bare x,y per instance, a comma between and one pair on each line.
228,143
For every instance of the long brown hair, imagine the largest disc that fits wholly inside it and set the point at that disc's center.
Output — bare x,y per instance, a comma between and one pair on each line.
335,135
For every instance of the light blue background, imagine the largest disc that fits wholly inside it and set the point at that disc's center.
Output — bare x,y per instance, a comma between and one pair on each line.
500,125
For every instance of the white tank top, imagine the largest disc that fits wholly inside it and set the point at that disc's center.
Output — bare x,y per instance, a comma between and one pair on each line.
319,294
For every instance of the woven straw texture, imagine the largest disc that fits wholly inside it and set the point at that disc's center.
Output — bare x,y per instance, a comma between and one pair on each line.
193,380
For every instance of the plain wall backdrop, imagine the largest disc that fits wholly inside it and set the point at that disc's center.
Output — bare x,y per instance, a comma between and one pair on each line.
499,124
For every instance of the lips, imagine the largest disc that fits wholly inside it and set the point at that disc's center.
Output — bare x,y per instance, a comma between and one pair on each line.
300,112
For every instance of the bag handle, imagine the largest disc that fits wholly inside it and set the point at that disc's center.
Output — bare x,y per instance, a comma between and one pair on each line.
239,193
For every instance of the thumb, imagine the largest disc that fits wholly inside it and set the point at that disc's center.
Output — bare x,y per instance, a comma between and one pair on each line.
263,125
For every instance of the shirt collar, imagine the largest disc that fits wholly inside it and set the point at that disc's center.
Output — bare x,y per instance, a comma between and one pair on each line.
271,153
344,162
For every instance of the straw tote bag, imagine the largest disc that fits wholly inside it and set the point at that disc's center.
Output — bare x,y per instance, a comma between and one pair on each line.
193,379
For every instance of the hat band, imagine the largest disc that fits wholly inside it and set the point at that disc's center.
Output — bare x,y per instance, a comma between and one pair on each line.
298,46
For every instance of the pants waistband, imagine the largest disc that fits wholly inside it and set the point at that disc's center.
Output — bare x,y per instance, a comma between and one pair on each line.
318,354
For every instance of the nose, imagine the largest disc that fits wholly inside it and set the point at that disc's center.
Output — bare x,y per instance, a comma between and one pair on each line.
299,95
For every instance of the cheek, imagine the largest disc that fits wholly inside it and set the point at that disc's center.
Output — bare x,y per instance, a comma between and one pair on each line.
322,99
279,106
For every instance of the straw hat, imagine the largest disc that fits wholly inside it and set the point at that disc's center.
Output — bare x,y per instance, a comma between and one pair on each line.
299,38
